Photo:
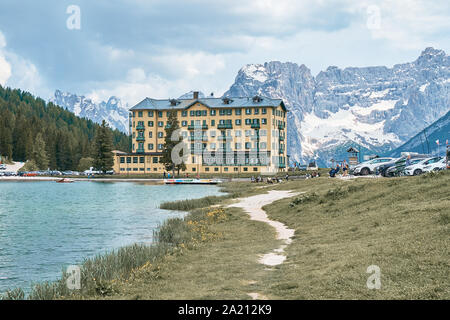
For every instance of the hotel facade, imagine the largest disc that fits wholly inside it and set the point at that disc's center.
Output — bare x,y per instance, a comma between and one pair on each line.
218,135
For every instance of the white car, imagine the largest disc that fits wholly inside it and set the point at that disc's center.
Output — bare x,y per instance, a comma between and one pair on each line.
368,167
439,165
419,167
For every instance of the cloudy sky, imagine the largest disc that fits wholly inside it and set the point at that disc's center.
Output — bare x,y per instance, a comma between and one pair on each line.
138,48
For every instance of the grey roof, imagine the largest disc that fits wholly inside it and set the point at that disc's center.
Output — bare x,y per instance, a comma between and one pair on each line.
241,102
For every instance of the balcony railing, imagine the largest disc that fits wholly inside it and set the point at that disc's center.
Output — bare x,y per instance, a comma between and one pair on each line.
281,150
255,126
198,127
196,138
140,127
139,138
140,150
281,138
225,126
281,126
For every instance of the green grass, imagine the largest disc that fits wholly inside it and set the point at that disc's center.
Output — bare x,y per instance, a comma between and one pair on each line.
341,227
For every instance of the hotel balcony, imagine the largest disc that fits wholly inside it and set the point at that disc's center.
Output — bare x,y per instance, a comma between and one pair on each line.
255,126
281,126
195,138
139,138
140,127
225,126
140,151
198,127
281,138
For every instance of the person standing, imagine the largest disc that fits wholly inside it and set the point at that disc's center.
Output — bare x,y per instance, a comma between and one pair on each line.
164,176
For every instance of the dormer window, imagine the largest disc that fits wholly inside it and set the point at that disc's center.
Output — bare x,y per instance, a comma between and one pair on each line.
174,102
227,100
257,99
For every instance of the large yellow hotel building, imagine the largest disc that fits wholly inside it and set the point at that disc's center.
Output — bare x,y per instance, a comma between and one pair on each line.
223,135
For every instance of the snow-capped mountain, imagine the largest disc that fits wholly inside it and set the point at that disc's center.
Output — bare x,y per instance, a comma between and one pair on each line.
113,111
373,108
426,140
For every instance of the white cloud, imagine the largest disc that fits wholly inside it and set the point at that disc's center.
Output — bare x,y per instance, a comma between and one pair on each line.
5,67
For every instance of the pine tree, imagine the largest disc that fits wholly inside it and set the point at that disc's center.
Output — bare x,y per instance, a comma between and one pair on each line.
169,163
103,157
39,153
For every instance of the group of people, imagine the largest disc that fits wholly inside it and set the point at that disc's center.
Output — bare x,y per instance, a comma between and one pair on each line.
337,169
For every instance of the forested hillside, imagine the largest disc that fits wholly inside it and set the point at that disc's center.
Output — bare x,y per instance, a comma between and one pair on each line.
67,138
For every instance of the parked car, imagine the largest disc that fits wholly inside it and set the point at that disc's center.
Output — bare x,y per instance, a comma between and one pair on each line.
436,166
418,168
398,169
370,166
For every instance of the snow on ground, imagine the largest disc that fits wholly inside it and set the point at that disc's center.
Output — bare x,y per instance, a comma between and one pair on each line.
14,167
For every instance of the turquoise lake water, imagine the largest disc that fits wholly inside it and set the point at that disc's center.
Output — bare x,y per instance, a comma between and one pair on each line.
46,226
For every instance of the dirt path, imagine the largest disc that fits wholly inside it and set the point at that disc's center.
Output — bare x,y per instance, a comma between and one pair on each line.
253,206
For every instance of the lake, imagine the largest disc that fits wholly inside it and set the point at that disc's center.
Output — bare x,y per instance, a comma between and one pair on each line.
46,226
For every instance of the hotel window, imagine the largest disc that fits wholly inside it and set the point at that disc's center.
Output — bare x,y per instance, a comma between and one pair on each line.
238,133
150,146
248,133
150,123
155,159
216,169
263,133
263,110
184,113
213,134
229,112
204,113
212,112
122,159
248,111
238,122
135,159
160,114
150,134
248,145
141,159
222,112
248,121
263,145
238,112
134,135
160,146
134,114
184,123
128,159
192,113
207,169
213,123
160,123
160,134
238,146
198,113
140,114
256,111
150,113
263,121
133,146
212,146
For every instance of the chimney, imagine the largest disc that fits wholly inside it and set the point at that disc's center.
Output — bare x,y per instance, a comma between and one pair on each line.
195,94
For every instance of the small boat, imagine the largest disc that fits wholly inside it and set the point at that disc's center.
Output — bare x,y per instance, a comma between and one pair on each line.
192,181
65,180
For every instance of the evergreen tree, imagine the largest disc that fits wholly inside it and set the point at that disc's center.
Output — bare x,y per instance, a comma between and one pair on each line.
169,145
103,157
39,153
67,138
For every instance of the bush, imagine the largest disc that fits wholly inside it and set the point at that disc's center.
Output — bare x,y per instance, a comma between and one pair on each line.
29,166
